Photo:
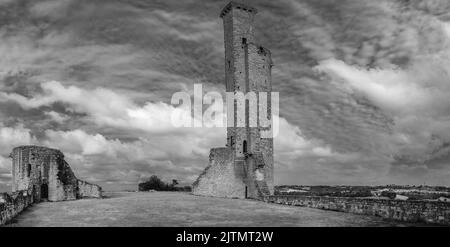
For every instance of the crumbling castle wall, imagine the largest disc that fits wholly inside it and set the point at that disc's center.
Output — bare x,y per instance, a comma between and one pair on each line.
41,173
410,211
12,204
219,178
62,182
86,190
259,63
46,172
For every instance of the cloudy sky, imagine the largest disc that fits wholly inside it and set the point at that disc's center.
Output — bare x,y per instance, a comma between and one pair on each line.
364,87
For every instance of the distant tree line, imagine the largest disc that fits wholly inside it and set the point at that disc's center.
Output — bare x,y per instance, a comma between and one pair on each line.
155,183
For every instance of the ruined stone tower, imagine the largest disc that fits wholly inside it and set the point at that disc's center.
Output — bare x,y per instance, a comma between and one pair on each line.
45,172
244,168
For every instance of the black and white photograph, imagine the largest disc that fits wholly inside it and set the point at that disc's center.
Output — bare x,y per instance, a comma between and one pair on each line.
224,114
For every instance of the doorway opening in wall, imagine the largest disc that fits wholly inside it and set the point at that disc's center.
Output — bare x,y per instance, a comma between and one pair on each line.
44,191
246,195
28,170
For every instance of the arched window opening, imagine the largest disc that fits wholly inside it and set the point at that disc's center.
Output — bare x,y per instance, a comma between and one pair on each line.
244,147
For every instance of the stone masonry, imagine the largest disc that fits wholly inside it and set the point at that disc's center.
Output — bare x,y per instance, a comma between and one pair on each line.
432,212
45,172
41,173
244,168
11,204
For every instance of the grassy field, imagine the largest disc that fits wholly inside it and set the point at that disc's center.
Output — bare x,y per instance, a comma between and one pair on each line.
182,209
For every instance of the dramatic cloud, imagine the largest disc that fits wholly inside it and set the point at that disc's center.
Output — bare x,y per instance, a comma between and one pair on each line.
417,98
363,86
14,136
104,107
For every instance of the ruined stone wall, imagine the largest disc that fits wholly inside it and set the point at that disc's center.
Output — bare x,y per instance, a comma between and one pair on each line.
259,70
32,168
35,166
221,178
251,177
62,181
30,165
12,204
86,189
410,211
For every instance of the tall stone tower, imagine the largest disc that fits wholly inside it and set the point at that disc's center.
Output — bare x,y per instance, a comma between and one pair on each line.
243,169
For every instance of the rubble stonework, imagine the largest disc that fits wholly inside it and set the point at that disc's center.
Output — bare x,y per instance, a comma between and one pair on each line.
12,204
47,174
220,178
244,168
41,173
433,212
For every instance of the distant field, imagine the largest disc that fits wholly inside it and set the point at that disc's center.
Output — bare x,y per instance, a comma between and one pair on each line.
388,191
183,209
